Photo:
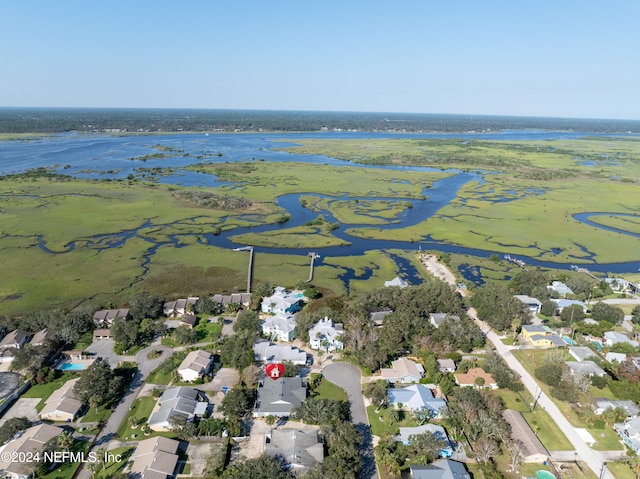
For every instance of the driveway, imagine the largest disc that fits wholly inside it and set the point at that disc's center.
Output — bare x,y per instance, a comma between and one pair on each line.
348,377
23,407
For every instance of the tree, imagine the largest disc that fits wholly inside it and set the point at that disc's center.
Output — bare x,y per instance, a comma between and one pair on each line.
424,448
182,427
65,439
206,305
376,392
236,351
497,306
146,305
30,359
548,307
516,451
572,314
635,315
530,282
98,382
12,426
263,467
237,402
605,312
322,411
215,461
485,449
550,374
125,332
184,335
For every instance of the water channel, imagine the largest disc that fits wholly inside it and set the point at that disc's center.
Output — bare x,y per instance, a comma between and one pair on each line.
106,157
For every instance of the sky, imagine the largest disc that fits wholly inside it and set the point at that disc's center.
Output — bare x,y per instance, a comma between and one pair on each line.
567,58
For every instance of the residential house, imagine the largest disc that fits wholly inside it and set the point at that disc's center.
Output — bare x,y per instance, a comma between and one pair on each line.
44,335
155,458
610,338
195,365
566,303
280,396
178,401
617,357
441,469
532,304
243,299
397,281
11,343
31,441
175,309
629,432
188,320
63,404
581,353
560,288
446,365
469,379
283,302
603,404
267,351
542,336
586,367
620,285
403,370
436,319
280,327
416,396
301,449
105,317
326,335
533,450
435,430
101,334
376,316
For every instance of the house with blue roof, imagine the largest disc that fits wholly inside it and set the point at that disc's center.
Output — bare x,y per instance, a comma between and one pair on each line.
560,288
416,396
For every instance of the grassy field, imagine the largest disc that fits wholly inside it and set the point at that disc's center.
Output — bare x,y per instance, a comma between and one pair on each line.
328,390
385,427
527,209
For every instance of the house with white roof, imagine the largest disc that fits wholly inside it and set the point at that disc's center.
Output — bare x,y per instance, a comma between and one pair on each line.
587,368
629,432
560,288
416,396
532,304
403,370
580,353
620,285
267,351
155,458
301,449
195,365
441,469
178,401
604,404
566,303
617,357
613,337
397,281
280,327
327,335
283,302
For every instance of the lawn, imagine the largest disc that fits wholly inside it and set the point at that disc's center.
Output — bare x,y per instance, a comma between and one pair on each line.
102,414
43,391
140,408
164,373
208,332
68,469
117,460
386,427
328,390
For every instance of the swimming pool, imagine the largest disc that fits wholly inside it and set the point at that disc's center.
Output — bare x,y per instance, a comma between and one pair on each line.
72,366
542,474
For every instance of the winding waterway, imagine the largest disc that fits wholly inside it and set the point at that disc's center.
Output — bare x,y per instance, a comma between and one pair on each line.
107,157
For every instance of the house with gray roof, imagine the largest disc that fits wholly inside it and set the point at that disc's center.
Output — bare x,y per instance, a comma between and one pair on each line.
586,367
41,336
613,337
376,316
301,449
582,352
155,458
403,370
533,450
629,432
29,442
195,365
532,304
267,351
560,288
397,281
603,404
104,317
63,404
441,469
179,401
617,357
280,396
416,396
566,303
436,319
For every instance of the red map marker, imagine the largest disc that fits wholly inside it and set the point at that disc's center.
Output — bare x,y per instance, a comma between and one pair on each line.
275,371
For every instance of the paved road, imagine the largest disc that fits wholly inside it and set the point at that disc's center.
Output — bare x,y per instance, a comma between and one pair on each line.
592,458
348,377
145,367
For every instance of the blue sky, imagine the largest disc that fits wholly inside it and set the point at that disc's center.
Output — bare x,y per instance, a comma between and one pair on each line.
531,58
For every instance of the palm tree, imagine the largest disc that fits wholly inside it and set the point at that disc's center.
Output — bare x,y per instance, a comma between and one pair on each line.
65,440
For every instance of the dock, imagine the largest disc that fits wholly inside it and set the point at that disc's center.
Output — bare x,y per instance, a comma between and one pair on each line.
314,257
